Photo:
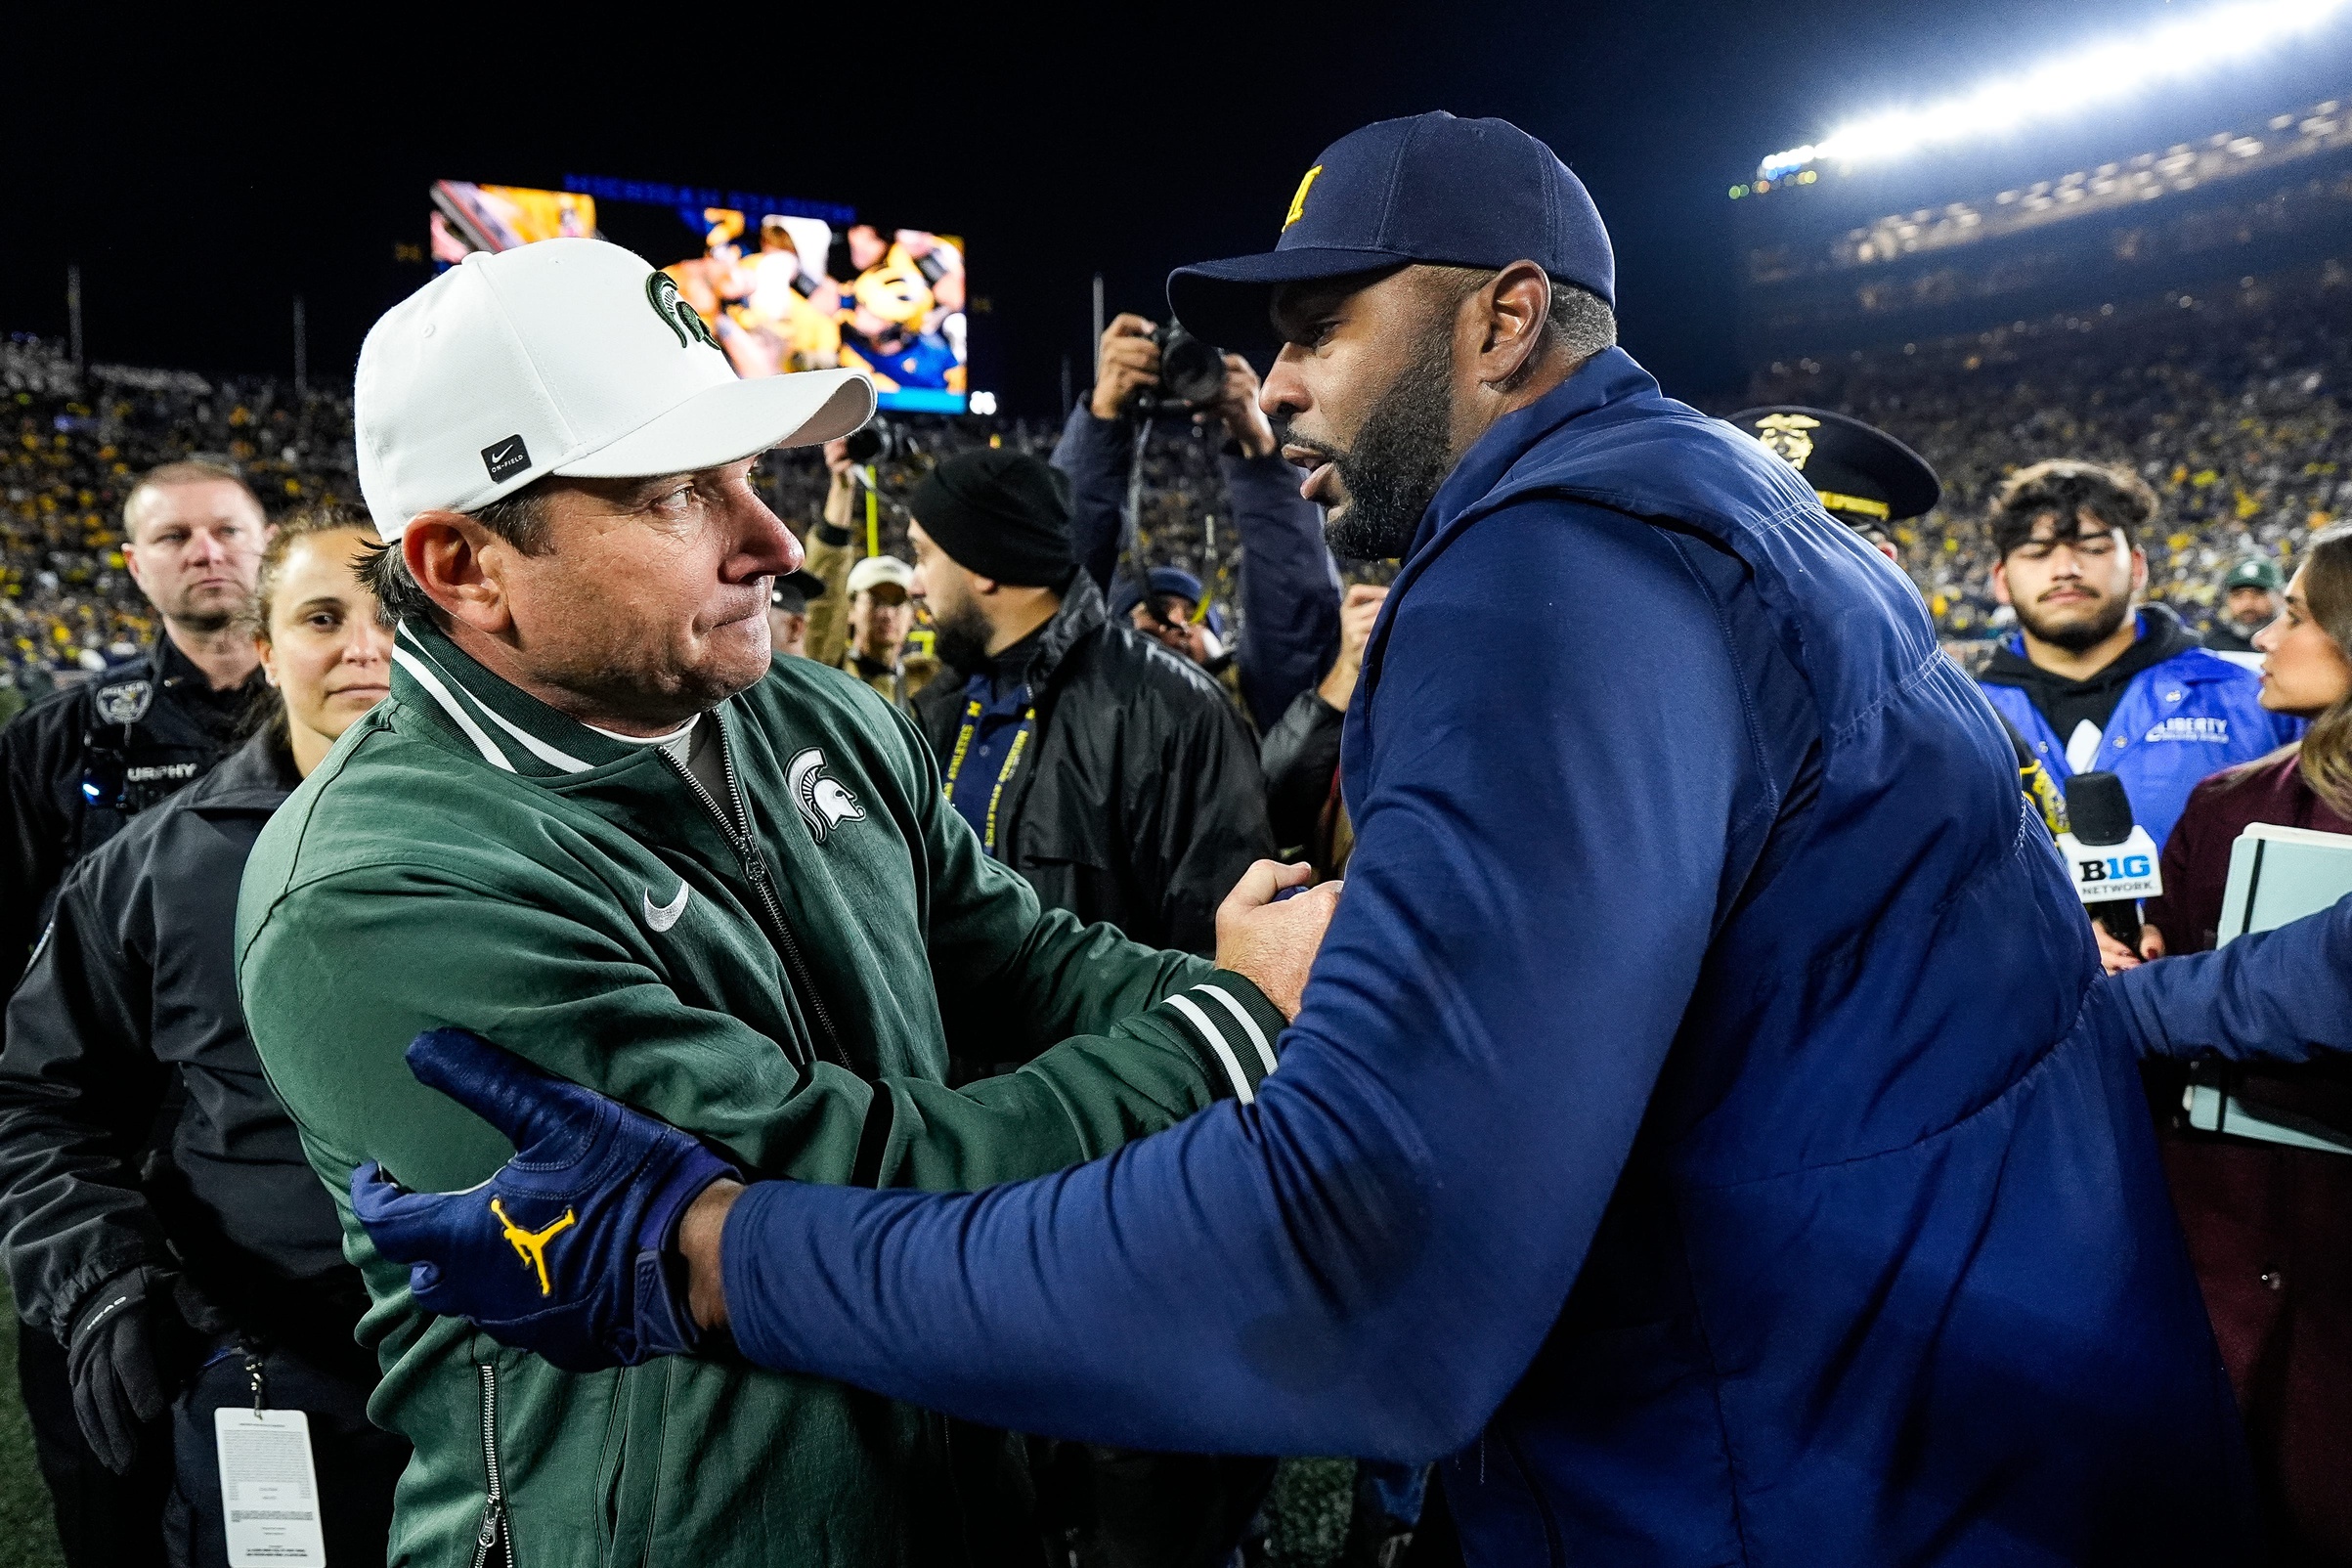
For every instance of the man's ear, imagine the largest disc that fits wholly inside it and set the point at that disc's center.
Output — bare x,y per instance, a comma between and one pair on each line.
2000,583
2138,569
1513,309
983,585
452,557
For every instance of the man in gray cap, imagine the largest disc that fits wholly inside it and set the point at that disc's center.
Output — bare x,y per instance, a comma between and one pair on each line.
2250,602
865,622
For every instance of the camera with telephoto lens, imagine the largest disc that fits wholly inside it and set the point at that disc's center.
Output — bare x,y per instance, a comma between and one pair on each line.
1192,373
878,440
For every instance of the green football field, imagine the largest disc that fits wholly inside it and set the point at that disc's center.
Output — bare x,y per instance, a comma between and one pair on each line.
27,1537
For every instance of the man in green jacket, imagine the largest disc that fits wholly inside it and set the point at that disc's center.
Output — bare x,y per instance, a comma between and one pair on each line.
597,825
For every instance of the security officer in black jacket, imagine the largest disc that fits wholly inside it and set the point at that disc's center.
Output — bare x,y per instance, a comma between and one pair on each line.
144,1160
1116,777
74,767
79,763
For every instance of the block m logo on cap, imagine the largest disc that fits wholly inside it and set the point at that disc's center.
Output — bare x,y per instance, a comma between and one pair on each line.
1298,203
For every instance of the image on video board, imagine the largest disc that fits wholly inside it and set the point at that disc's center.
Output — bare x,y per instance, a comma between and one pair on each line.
780,293
468,217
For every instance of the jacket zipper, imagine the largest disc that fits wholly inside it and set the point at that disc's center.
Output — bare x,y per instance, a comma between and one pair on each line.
755,869
494,1512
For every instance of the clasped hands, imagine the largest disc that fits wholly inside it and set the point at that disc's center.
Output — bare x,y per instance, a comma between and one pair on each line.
598,1243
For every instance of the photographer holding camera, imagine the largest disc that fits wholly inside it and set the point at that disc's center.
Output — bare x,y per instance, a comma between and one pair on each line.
860,619
1289,593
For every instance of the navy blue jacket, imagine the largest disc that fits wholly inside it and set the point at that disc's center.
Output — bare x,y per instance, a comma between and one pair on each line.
2177,723
1695,1125
1289,591
2270,996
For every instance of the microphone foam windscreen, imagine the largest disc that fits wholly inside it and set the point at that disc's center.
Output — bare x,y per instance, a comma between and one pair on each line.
2098,810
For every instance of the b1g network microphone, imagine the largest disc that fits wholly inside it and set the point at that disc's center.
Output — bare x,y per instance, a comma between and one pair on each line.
2113,859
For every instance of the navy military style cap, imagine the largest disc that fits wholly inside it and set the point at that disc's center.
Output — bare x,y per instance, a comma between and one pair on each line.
1863,476
1430,188
792,591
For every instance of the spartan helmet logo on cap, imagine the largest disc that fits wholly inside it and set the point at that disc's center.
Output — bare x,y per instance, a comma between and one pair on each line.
661,292
825,803
895,294
1783,435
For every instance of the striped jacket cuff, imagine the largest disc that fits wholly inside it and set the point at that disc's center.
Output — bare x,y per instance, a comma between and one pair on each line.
1237,1028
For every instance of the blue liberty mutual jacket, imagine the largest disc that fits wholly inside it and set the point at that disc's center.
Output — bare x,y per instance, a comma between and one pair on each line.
1699,1125
2178,722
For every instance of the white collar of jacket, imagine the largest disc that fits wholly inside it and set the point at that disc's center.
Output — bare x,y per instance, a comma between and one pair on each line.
510,730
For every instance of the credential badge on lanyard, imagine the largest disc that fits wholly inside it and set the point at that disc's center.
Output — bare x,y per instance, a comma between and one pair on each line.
269,1486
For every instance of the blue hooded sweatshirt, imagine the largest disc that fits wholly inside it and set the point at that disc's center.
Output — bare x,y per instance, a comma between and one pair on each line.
1696,1127
2177,723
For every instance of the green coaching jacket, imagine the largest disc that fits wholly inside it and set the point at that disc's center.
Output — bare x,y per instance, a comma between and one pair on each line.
467,856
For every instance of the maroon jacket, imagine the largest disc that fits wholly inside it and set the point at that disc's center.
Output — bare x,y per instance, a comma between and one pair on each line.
2269,1228
2197,858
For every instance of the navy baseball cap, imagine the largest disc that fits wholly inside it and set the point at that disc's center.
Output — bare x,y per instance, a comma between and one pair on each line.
1430,188
1164,580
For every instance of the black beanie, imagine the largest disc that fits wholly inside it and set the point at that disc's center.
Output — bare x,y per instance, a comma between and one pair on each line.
1000,514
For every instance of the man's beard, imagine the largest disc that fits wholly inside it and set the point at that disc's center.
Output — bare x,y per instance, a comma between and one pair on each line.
203,619
2079,637
204,622
961,638
1401,457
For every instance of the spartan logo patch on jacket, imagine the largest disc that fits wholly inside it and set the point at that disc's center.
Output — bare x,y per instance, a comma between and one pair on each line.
2200,727
825,801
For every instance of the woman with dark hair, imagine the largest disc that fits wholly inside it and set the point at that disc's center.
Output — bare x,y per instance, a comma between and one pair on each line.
161,1216
2270,1224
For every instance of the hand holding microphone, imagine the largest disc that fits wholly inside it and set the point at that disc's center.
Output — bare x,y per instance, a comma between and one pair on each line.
2112,861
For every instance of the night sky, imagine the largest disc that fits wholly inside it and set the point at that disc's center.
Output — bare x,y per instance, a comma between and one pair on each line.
203,177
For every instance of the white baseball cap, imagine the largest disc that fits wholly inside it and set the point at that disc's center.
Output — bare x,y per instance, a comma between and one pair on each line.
563,356
876,569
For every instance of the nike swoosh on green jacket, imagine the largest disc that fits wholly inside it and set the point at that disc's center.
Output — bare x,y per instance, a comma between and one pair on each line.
468,856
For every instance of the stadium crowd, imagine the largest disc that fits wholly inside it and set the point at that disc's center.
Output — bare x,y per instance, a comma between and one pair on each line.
1147,613
2233,405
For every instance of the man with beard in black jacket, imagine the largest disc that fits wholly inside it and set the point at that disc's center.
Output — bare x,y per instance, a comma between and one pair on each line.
1115,776
1104,768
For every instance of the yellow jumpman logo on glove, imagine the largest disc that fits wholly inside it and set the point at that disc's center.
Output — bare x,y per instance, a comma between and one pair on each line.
531,1245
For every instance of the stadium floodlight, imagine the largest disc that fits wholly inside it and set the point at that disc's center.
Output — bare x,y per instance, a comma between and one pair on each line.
2101,73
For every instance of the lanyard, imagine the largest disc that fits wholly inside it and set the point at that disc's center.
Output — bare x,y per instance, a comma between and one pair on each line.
963,744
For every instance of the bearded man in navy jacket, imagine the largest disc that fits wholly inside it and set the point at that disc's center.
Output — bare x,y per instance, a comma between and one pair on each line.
1698,1127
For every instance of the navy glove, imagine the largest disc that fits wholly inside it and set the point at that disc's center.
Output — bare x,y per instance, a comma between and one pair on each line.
567,1251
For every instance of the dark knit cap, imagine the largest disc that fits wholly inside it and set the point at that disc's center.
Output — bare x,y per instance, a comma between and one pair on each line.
1000,514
